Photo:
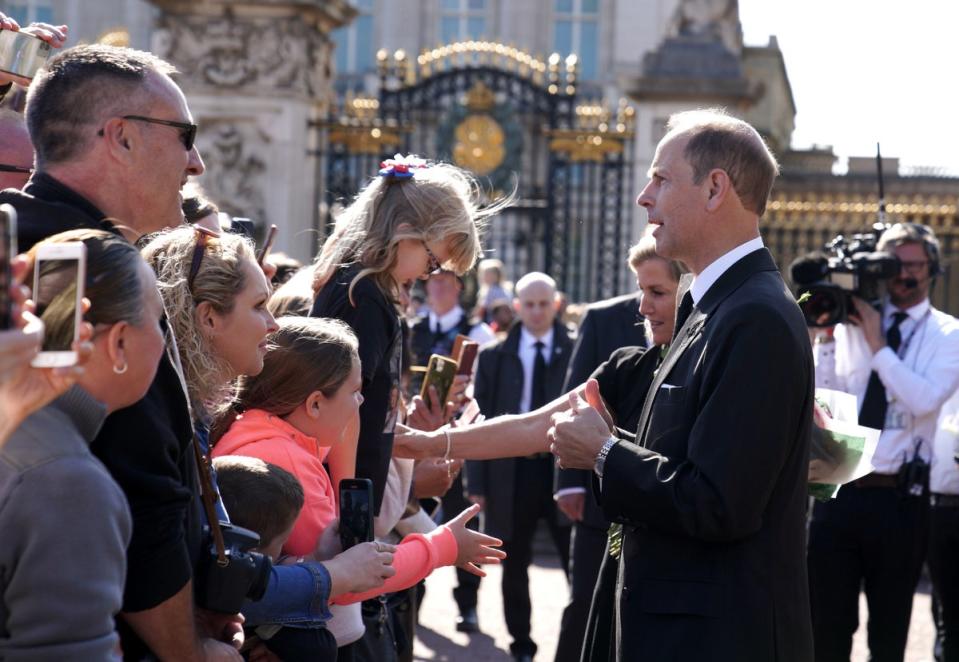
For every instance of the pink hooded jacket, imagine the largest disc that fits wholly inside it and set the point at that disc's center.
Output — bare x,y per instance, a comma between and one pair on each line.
256,433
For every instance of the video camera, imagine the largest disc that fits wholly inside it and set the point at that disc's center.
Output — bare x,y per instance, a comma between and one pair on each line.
827,280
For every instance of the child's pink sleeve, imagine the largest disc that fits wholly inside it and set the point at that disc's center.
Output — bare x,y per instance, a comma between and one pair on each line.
415,558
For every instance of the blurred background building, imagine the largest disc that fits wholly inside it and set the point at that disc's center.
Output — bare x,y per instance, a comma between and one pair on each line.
297,102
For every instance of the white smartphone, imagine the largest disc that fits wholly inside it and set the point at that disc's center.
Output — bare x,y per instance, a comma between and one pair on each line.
58,277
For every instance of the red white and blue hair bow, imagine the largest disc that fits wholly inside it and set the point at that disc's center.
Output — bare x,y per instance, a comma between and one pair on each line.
401,167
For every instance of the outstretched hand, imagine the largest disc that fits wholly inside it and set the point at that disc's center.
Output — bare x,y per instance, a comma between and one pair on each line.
577,435
474,548
415,444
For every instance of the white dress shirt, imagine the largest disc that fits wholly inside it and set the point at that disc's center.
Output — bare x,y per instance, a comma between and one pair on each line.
918,381
481,333
718,267
944,478
527,356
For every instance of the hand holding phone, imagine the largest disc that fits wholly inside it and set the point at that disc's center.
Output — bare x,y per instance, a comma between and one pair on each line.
439,374
58,279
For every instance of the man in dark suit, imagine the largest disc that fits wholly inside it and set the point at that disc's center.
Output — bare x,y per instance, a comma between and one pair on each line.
712,496
516,375
607,326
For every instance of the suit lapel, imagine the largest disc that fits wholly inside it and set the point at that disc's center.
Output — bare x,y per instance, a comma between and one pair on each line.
690,332
728,282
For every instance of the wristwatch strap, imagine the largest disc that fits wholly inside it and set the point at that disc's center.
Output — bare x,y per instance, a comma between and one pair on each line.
601,456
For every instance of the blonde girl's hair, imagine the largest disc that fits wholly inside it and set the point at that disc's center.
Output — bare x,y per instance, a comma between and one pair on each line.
306,354
438,203
218,281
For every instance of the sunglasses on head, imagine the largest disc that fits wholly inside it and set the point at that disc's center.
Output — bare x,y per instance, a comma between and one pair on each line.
199,248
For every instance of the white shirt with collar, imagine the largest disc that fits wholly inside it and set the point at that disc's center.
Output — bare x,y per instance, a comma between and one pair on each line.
918,381
718,267
527,356
481,333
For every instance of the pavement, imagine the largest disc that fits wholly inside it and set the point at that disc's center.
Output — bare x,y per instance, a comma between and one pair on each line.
438,640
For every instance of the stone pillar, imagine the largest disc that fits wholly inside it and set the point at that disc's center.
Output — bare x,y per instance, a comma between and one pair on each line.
255,75
697,65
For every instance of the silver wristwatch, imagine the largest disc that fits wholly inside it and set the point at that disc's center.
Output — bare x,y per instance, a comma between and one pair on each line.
601,456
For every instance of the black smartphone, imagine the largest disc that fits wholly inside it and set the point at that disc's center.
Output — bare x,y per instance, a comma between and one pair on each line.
356,511
8,251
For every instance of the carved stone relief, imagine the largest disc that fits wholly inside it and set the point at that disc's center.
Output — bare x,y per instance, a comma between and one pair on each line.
236,169
260,55
708,18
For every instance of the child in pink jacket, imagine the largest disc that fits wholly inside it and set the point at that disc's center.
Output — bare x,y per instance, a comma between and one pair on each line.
294,411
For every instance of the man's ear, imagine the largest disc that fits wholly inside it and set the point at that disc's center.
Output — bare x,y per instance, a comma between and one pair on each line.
718,186
118,138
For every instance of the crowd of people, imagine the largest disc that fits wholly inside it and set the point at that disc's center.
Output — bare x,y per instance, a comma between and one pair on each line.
174,495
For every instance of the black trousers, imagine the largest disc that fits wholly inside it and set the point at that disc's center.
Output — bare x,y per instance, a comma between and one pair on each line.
533,500
872,539
303,645
587,547
943,557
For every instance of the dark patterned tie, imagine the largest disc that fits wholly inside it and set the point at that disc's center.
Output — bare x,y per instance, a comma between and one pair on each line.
538,396
685,308
874,404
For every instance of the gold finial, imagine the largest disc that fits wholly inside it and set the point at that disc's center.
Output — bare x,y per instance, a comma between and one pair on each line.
480,97
115,37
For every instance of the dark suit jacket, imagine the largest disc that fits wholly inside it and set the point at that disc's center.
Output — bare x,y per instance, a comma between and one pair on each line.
713,499
607,326
498,389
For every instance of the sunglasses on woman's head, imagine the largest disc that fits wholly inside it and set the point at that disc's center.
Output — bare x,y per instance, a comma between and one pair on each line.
199,248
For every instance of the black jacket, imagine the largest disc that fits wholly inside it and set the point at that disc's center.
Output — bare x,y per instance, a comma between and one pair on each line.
46,207
713,497
498,389
146,446
607,326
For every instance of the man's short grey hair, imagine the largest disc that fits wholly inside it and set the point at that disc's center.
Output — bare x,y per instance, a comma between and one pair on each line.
720,141
79,90
531,278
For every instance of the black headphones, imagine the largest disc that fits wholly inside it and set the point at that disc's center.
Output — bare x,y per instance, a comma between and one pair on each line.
919,233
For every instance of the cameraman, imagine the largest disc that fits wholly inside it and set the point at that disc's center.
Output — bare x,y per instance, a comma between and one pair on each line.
902,363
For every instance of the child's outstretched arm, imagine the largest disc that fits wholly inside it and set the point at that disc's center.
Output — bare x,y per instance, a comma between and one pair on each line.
419,554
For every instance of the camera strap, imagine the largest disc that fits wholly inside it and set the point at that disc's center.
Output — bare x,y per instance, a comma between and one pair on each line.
203,470
209,501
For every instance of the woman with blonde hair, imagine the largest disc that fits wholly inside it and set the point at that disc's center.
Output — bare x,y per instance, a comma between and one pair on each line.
215,296
411,220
